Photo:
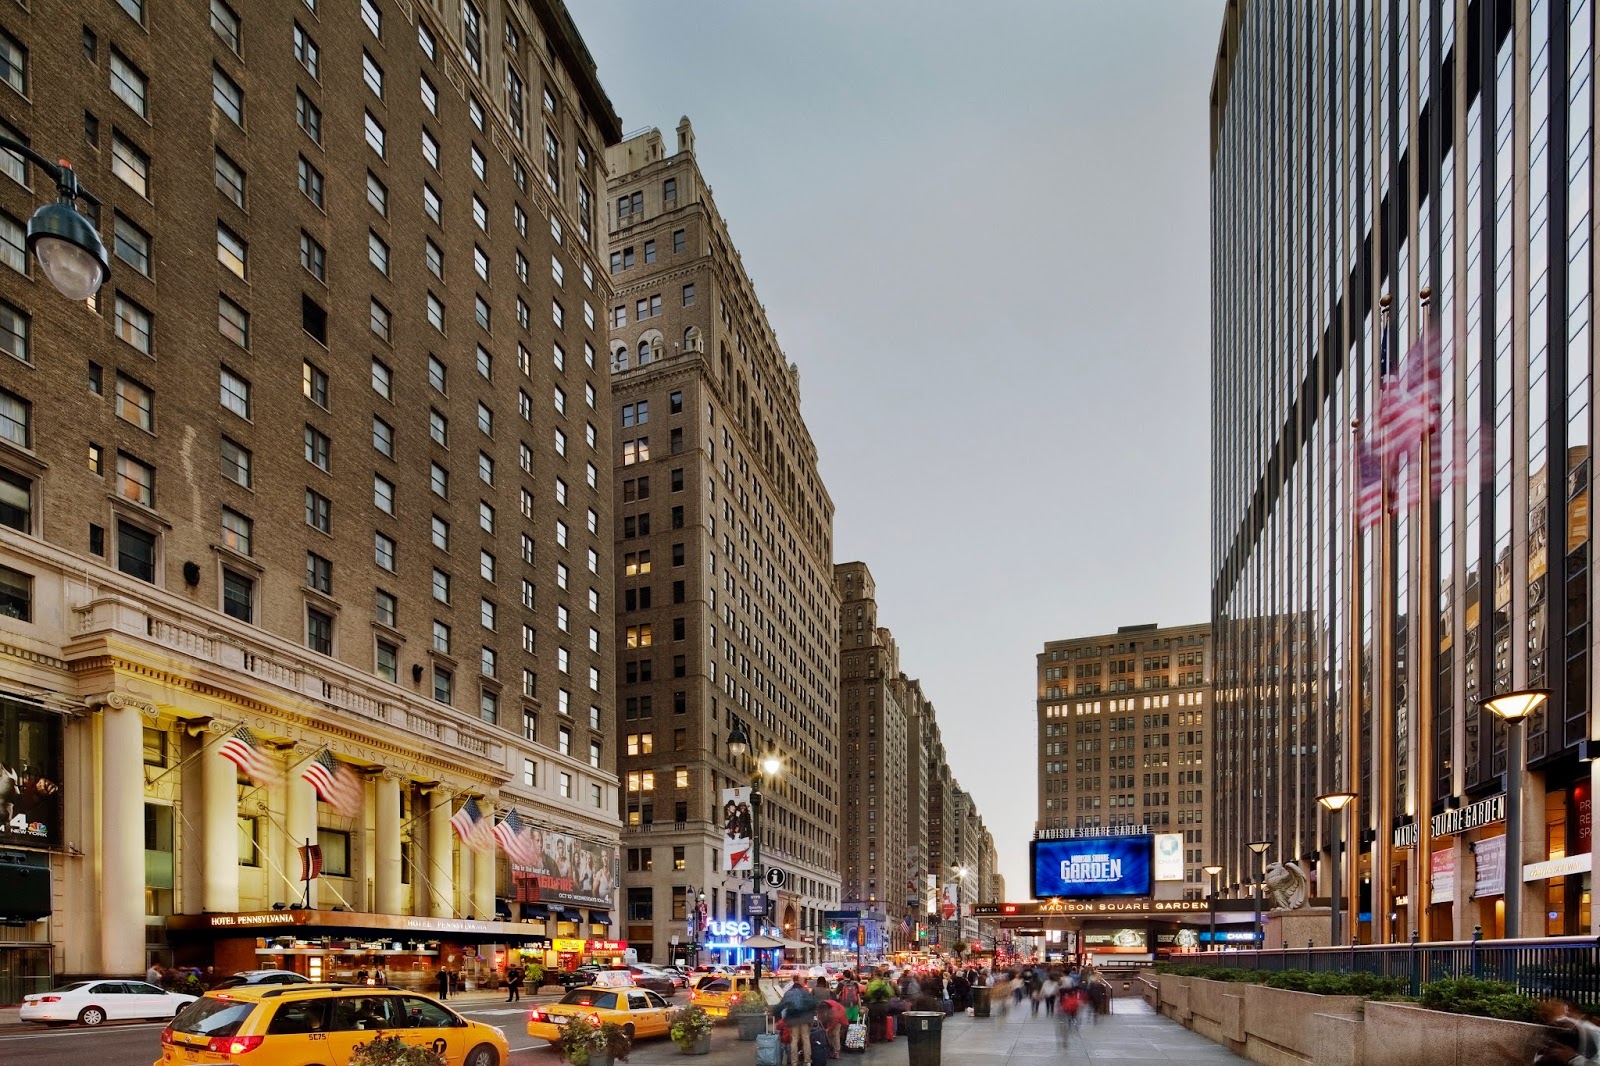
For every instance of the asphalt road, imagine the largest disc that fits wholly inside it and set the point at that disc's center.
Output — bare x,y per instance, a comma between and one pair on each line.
139,1044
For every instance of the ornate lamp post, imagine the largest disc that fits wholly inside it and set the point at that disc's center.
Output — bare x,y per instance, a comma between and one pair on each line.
65,243
1335,803
1260,848
1514,707
1212,872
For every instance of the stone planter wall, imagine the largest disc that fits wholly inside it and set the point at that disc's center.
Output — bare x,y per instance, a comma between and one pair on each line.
1275,1027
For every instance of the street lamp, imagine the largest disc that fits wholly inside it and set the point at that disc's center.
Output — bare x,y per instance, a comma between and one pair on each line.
1514,707
1260,848
1212,872
69,250
1335,803
769,765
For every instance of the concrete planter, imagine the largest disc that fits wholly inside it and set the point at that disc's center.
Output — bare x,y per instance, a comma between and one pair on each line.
1276,1027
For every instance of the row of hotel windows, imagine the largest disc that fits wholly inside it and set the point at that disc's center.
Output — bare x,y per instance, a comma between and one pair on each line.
626,258
1128,648
1180,699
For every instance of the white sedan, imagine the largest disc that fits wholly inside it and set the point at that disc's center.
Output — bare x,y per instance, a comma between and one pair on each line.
93,1002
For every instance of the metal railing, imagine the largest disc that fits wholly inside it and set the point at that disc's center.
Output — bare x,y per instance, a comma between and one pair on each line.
1566,968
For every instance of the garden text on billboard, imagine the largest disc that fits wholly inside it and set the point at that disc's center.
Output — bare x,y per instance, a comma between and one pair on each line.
1089,867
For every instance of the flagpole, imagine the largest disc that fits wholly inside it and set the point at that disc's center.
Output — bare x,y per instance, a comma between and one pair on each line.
1427,606
1353,691
1383,704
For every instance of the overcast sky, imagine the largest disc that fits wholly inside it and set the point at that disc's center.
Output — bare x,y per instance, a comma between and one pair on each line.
981,232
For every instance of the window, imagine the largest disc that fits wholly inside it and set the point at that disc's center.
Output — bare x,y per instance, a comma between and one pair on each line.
439,533
377,194
236,462
136,480
135,403
136,552
225,24
383,551
238,596
314,384
372,74
372,17
382,380
377,252
438,428
383,494
319,511
480,214
382,437
319,573
13,244
485,469
133,324
430,96
231,250
319,638
430,201
227,95
387,662
435,312
443,681
129,163
129,84
235,393
310,182
385,608
479,163
229,177
317,448
13,63
306,52
313,256
441,585
236,530
374,134
688,295
233,321
378,320
430,149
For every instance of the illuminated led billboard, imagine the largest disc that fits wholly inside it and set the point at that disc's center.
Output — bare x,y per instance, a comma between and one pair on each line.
1091,866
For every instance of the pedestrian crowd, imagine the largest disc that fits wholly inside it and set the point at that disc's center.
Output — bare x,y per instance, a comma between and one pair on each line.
816,1022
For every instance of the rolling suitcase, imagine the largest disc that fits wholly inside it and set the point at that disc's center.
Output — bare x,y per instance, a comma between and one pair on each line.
855,1037
821,1049
769,1050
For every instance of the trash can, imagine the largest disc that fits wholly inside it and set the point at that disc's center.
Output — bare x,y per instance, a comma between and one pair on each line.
924,1029
980,1001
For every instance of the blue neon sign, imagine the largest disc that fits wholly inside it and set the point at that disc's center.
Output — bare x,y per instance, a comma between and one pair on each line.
1089,867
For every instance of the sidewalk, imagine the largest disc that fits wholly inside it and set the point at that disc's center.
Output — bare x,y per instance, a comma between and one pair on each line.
1133,1035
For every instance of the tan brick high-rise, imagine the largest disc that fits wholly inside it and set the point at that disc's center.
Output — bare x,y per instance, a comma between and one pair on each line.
1124,736
327,458
725,600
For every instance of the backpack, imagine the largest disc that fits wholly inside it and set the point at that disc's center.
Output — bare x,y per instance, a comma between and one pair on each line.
848,995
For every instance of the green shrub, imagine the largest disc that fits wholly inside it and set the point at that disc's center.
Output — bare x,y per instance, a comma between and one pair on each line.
1488,999
393,1051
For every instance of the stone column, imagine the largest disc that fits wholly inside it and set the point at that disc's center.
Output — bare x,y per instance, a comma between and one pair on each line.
386,846
483,875
300,816
121,902
219,829
441,858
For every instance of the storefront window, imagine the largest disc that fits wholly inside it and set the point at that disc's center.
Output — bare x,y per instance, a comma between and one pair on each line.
335,852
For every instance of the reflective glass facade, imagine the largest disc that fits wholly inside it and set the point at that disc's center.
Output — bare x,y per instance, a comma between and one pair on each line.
1432,157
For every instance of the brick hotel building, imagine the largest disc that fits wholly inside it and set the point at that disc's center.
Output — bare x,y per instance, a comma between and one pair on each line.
328,457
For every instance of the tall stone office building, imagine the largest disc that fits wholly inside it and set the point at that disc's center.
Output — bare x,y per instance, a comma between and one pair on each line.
327,459
724,574
1361,154
1124,737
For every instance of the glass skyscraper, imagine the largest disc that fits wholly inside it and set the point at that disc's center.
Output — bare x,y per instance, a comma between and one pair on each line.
1375,164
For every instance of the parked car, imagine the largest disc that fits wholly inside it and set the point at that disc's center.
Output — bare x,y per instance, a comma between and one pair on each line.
570,979
263,977
93,1002
639,1011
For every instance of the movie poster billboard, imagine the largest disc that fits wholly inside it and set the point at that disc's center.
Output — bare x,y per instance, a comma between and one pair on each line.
737,830
569,869
30,776
1091,867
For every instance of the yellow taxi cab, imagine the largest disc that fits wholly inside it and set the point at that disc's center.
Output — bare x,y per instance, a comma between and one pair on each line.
639,1011
719,992
320,1025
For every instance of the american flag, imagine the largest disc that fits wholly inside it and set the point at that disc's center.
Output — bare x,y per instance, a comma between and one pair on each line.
243,750
471,826
517,844
1369,486
336,784
1410,401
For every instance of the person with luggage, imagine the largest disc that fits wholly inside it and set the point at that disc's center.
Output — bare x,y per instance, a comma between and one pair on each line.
796,1010
879,993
